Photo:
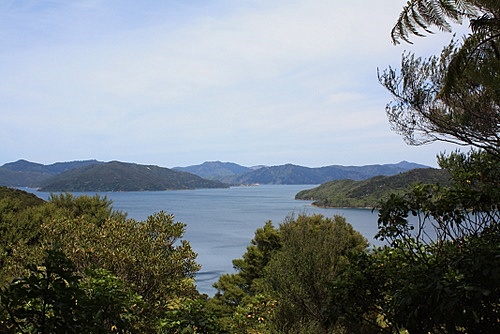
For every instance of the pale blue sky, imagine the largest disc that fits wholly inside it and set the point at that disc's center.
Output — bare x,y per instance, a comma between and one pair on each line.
177,83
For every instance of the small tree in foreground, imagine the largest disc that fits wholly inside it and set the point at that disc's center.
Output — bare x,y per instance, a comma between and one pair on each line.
292,279
306,275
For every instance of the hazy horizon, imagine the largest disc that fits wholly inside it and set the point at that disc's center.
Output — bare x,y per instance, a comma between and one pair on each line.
209,161
177,83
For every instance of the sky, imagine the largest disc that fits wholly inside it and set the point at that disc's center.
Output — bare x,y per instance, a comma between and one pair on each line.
179,82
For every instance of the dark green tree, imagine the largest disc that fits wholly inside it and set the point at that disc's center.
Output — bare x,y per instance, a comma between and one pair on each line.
18,225
445,250
52,298
305,276
94,209
22,226
45,301
441,265
150,256
190,315
108,306
148,259
247,285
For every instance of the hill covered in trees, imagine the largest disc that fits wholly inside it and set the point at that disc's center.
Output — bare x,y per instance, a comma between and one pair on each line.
94,175
22,198
369,193
23,173
120,176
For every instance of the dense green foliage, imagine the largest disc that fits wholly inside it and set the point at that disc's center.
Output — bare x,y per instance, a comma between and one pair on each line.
54,299
91,258
439,272
287,280
369,193
442,265
244,287
23,198
445,250
305,275
17,210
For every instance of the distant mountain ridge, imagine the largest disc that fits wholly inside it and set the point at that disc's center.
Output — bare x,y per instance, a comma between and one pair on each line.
215,170
94,175
294,174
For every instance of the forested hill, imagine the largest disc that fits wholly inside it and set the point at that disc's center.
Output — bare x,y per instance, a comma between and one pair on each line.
22,198
55,168
23,173
120,176
368,193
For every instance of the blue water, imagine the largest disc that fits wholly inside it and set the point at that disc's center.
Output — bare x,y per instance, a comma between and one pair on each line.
222,222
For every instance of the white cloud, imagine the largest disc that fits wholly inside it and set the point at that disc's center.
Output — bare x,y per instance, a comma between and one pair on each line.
268,80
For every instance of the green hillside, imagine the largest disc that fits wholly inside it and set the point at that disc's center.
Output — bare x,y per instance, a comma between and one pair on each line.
368,193
23,173
22,198
120,176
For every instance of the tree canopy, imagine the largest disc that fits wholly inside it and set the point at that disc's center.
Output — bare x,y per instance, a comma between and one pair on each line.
117,267
441,263
454,97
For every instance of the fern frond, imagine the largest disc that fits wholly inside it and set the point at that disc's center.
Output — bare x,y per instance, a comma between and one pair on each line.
419,20
420,15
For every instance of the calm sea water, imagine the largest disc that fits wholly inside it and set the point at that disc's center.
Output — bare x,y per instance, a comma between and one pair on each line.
222,222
